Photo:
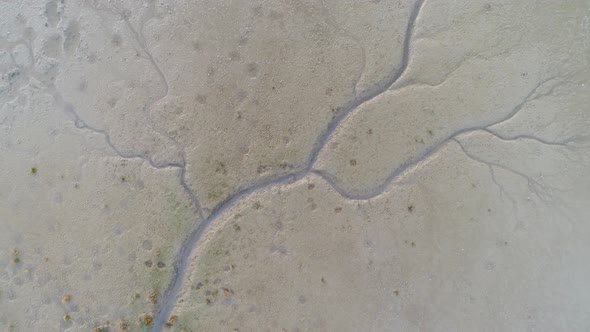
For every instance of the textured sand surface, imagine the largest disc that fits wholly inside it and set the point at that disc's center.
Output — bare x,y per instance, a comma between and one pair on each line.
300,165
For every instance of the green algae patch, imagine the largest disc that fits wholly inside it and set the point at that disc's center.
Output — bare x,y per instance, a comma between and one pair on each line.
176,224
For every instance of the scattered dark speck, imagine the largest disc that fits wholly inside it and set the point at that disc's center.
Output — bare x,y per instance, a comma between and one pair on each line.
147,319
257,11
410,208
253,70
148,263
221,168
117,40
201,99
243,40
124,326
234,55
161,264
33,170
170,322
152,297
310,186
13,74
262,168
353,162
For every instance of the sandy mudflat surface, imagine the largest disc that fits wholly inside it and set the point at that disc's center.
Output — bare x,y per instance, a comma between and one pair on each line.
300,165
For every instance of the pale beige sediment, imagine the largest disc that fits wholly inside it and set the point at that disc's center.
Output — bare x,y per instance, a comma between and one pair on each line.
168,149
